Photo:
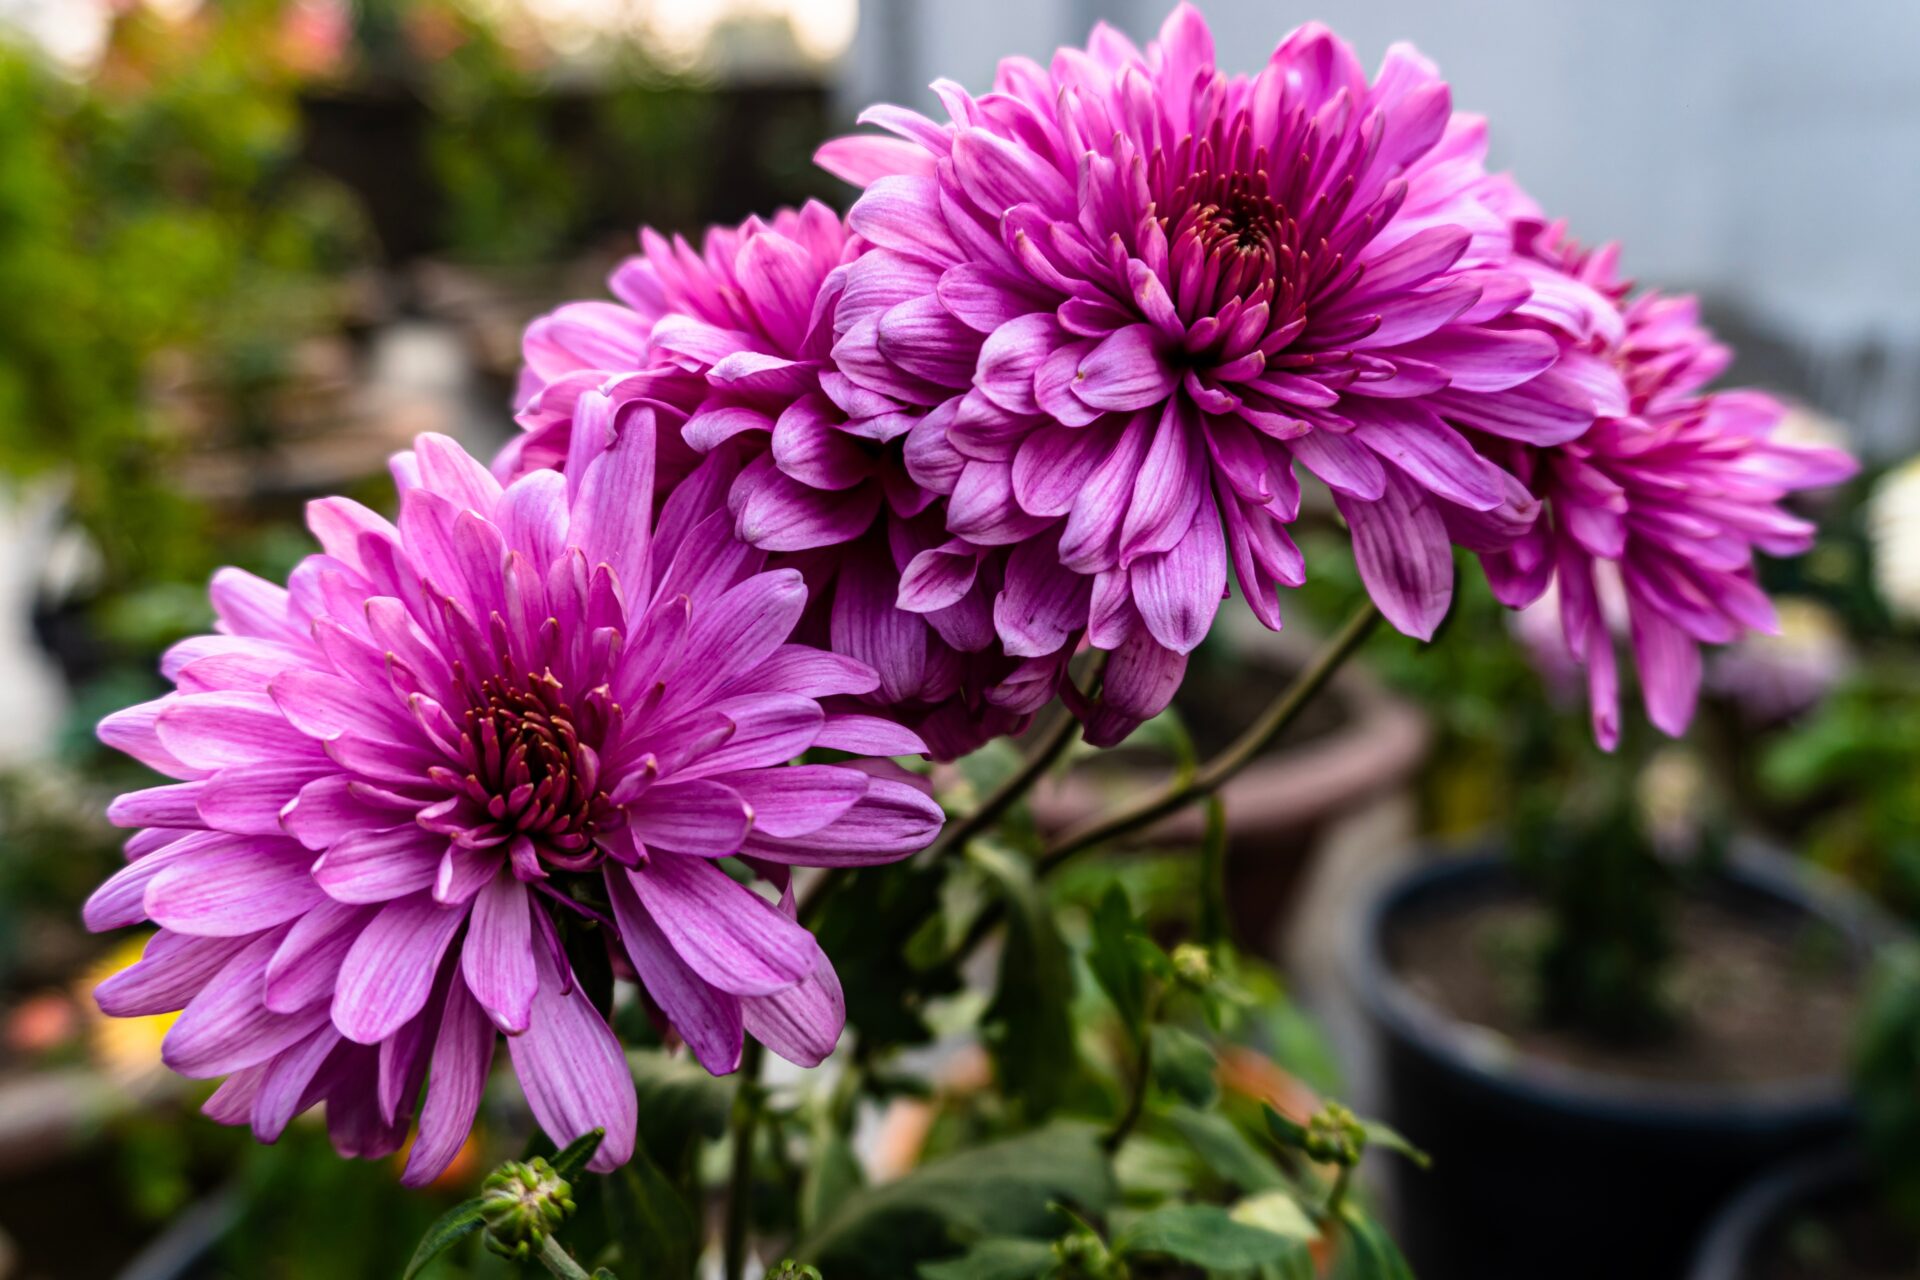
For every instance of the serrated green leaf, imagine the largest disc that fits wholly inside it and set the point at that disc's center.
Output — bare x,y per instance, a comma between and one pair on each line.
1114,960
994,1260
1183,1065
1389,1139
1003,1188
1204,1235
455,1225
575,1154
1029,1026
1226,1150
1278,1212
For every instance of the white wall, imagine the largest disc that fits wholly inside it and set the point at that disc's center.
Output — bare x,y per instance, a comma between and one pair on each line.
1763,152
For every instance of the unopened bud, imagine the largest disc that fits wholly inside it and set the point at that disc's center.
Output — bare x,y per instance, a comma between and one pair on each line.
1335,1136
791,1270
1193,964
522,1204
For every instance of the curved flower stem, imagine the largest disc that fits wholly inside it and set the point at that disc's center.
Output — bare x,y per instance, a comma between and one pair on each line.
1052,744
1208,778
1215,773
747,1106
556,1260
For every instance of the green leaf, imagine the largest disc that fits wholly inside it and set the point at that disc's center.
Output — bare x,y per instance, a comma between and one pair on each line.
994,1260
1278,1212
576,1153
1285,1132
1206,1236
1114,961
1028,1027
1365,1252
678,1102
453,1226
1212,926
1183,1065
832,1174
1226,1150
1389,1139
657,1227
865,928
1003,1188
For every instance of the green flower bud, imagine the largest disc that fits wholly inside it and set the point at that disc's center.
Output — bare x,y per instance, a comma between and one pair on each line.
1335,1136
791,1270
522,1204
1085,1256
1193,965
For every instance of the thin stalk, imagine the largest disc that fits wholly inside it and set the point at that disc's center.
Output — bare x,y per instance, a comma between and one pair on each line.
1209,777
1142,1074
556,1260
748,1104
1330,1212
1216,772
1052,744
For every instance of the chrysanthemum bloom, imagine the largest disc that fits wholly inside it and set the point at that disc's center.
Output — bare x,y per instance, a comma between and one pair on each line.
1673,496
734,340
456,760
1139,290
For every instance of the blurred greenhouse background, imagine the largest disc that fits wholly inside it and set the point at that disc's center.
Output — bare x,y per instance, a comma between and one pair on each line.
249,248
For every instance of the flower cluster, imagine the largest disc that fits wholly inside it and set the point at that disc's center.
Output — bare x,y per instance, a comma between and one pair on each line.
866,485
465,765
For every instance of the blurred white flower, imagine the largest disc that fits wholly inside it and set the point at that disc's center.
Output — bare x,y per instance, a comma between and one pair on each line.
1774,677
1893,524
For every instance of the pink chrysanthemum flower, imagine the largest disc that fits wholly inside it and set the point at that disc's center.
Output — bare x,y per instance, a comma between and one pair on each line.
456,757
734,340
1139,290
1669,499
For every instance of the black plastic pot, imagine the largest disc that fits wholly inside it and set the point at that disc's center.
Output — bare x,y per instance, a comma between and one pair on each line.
1731,1248
1545,1170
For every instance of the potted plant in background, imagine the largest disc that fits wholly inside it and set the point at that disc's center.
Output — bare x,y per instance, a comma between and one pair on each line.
1627,1030
1852,1212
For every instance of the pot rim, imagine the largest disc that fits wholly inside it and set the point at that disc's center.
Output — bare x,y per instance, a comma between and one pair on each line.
1496,1064
1724,1249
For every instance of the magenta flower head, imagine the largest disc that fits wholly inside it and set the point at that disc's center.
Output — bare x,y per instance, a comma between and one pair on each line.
733,341
456,758
1136,291
1669,497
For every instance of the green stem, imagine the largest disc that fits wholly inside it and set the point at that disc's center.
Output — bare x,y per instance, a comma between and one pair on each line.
1216,772
1338,1196
1052,744
558,1261
1142,1073
1205,780
747,1106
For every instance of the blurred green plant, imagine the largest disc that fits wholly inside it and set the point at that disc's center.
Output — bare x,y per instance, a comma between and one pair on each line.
152,212
1851,773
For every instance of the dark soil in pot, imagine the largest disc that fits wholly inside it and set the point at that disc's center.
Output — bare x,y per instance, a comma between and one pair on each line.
1555,1156
1760,996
